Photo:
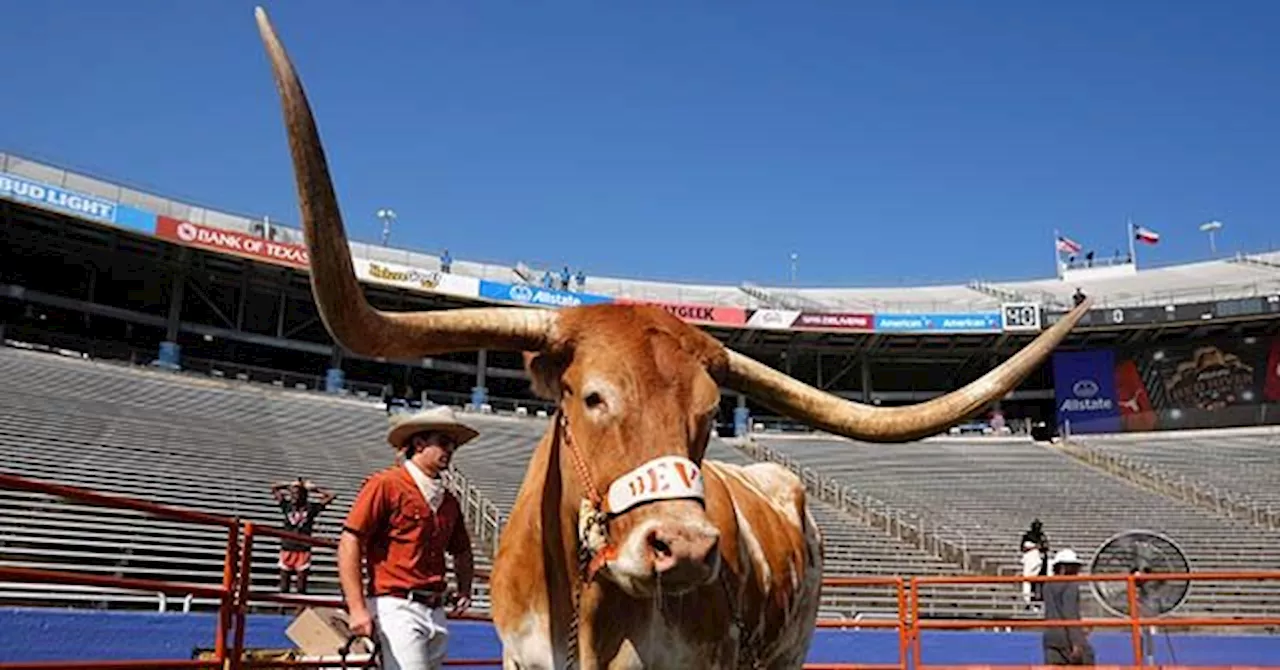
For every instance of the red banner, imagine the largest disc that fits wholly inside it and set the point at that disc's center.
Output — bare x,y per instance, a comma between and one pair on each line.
835,321
708,314
231,241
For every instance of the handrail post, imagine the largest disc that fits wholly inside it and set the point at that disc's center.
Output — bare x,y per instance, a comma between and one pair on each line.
915,622
228,595
242,591
1135,617
903,631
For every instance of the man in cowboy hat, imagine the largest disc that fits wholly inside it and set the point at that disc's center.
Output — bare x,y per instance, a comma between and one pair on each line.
1065,645
403,521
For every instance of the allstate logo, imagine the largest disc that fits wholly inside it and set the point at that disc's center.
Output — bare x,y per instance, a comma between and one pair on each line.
187,232
521,293
1085,388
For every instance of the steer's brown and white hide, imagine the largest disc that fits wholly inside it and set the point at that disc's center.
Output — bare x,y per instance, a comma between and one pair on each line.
771,561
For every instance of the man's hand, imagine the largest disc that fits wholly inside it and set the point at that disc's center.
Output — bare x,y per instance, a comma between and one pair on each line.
361,622
461,603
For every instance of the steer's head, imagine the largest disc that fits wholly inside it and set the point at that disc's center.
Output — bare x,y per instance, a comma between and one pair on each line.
637,402
636,387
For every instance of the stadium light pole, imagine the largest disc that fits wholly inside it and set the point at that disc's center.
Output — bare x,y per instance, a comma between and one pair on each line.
1211,227
387,217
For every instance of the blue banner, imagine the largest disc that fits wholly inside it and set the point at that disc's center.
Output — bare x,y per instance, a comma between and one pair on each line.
983,322
22,189
536,295
1084,390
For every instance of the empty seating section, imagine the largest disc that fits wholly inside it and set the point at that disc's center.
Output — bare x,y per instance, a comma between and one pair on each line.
1244,463
991,489
198,444
216,446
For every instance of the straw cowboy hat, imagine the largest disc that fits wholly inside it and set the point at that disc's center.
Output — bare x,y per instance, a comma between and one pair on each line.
437,419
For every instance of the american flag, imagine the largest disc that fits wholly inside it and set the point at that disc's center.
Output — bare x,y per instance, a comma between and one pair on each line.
1068,245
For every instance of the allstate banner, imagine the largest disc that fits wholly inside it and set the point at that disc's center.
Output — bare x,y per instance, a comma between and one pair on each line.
1084,390
22,189
981,322
537,295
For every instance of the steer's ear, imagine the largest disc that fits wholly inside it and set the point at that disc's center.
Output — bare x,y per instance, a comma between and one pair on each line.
545,370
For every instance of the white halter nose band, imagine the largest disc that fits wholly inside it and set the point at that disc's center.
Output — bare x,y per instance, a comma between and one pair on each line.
663,478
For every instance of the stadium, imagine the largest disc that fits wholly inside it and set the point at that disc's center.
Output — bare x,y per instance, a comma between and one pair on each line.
169,354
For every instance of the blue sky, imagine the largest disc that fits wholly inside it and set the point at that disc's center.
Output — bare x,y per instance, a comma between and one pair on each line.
886,144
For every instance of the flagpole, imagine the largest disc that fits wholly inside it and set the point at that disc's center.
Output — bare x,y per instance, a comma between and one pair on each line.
1057,254
1133,250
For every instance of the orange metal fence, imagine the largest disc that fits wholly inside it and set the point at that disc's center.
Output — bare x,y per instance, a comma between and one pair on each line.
236,594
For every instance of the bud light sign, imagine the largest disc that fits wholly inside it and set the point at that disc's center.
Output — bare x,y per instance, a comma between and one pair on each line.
1084,388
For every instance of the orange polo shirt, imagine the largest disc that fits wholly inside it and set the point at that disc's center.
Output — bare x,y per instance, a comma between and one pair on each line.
404,541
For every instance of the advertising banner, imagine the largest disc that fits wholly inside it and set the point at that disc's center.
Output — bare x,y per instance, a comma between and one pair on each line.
431,281
21,189
1213,383
705,314
835,321
537,296
772,319
231,241
1084,390
985,322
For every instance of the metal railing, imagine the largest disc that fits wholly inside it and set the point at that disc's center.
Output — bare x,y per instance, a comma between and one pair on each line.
915,530
236,595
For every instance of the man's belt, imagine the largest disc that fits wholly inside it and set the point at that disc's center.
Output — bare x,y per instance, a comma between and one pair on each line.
431,599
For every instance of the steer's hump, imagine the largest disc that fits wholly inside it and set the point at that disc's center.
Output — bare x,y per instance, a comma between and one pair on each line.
777,485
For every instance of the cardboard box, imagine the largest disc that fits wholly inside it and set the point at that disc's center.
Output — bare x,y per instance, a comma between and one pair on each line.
321,631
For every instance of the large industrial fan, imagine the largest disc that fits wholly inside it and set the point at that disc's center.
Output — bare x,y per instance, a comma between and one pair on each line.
1145,552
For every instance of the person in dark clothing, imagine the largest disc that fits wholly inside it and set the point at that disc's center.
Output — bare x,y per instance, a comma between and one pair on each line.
1035,560
1065,645
300,514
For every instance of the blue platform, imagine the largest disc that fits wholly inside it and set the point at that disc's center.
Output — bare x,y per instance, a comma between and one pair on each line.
65,635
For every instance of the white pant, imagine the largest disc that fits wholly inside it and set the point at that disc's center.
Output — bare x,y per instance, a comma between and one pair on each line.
1031,562
413,636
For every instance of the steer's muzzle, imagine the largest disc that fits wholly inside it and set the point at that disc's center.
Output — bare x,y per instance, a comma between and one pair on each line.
673,550
683,554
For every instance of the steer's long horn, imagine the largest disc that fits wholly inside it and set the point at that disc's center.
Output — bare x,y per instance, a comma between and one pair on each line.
892,424
345,311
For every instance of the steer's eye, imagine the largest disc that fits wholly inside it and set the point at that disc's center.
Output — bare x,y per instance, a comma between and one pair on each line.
593,400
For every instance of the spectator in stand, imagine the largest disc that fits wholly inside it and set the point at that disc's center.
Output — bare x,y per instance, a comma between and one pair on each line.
564,278
582,280
1078,297
300,514
403,522
548,281
1065,645
446,262
388,395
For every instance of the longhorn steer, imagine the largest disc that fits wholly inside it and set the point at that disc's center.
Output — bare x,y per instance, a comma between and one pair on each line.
626,548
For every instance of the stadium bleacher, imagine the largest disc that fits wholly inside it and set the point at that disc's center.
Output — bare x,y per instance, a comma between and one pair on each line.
989,489
216,446
1242,462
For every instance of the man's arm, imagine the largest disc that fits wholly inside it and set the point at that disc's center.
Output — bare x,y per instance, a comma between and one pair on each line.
365,517
463,564
351,578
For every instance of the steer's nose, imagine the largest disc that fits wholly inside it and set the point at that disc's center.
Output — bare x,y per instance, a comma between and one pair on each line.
684,554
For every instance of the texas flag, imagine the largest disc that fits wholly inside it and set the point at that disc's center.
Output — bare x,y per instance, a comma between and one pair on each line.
1147,235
